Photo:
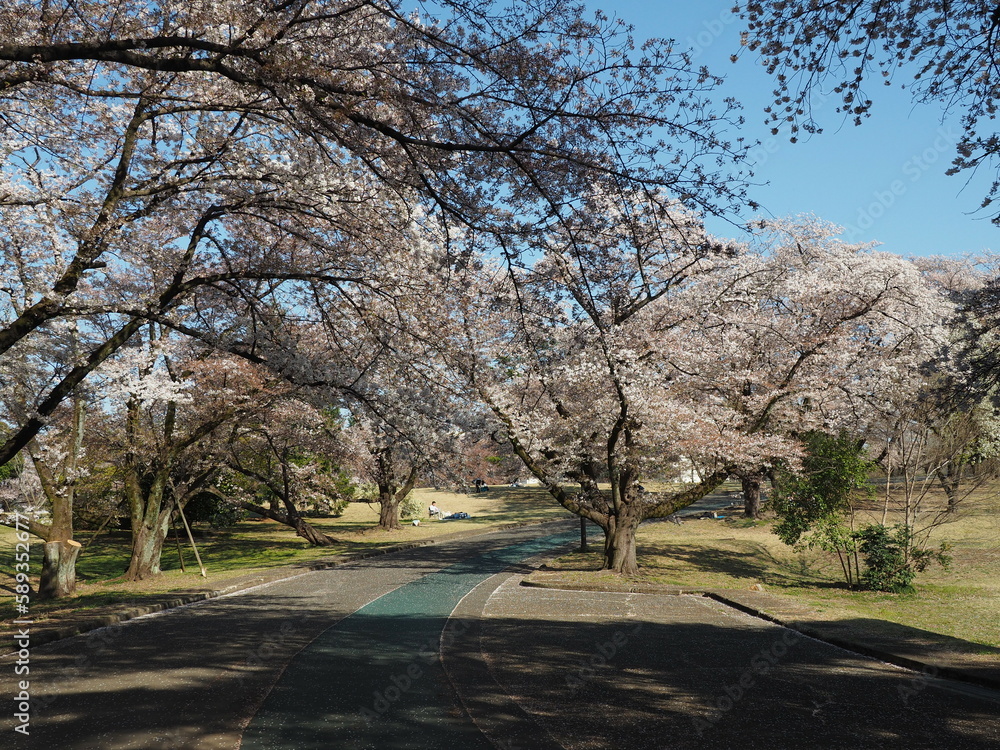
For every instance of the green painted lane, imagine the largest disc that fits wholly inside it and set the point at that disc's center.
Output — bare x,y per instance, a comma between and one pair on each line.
374,680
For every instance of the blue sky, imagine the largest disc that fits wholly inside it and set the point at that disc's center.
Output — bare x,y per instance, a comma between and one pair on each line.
884,180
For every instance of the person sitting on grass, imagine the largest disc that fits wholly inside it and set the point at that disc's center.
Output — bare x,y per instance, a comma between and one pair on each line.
433,510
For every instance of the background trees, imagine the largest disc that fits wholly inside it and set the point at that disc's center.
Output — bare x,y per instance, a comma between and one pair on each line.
284,460
607,361
810,333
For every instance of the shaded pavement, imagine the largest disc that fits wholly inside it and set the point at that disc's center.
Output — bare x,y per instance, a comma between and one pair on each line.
374,680
576,669
193,677
442,647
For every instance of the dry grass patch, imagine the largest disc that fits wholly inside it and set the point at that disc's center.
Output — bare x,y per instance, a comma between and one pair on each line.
961,601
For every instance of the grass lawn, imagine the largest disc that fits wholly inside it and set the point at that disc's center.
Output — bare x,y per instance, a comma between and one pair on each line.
962,601
253,546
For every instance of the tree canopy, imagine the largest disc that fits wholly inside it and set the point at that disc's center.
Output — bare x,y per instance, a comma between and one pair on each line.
608,362
202,164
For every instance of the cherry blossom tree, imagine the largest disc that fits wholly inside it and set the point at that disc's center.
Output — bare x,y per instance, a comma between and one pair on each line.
573,357
830,338
388,462
424,436
817,334
290,452
56,463
170,396
56,459
407,414
944,435
162,160
654,341
974,283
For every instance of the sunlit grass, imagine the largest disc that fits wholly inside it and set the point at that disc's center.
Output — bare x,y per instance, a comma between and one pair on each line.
962,601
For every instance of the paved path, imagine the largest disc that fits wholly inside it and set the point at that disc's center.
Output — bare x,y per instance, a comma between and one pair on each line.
346,658
375,680
193,677
619,671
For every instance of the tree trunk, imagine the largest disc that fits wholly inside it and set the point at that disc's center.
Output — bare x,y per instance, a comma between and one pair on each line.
58,577
388,514
619,546
949,483
291,518
147,547
310,533
390,493
751,495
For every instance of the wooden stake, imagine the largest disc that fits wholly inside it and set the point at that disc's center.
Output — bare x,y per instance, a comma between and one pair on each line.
191,539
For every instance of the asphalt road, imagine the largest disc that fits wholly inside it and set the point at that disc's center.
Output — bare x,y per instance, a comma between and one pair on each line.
366,656
194,677
375,679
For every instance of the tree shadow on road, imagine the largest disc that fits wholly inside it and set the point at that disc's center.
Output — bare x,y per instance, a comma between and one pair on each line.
688,684
708,679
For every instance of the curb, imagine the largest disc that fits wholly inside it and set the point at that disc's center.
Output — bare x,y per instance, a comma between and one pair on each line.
653,588
917,665
927,667
84,624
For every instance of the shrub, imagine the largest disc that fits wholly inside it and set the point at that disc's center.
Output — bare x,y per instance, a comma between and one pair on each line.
834,471
886,565
208,507
892,557
410,507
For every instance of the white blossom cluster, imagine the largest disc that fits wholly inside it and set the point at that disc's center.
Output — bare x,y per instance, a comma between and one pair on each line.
626,359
